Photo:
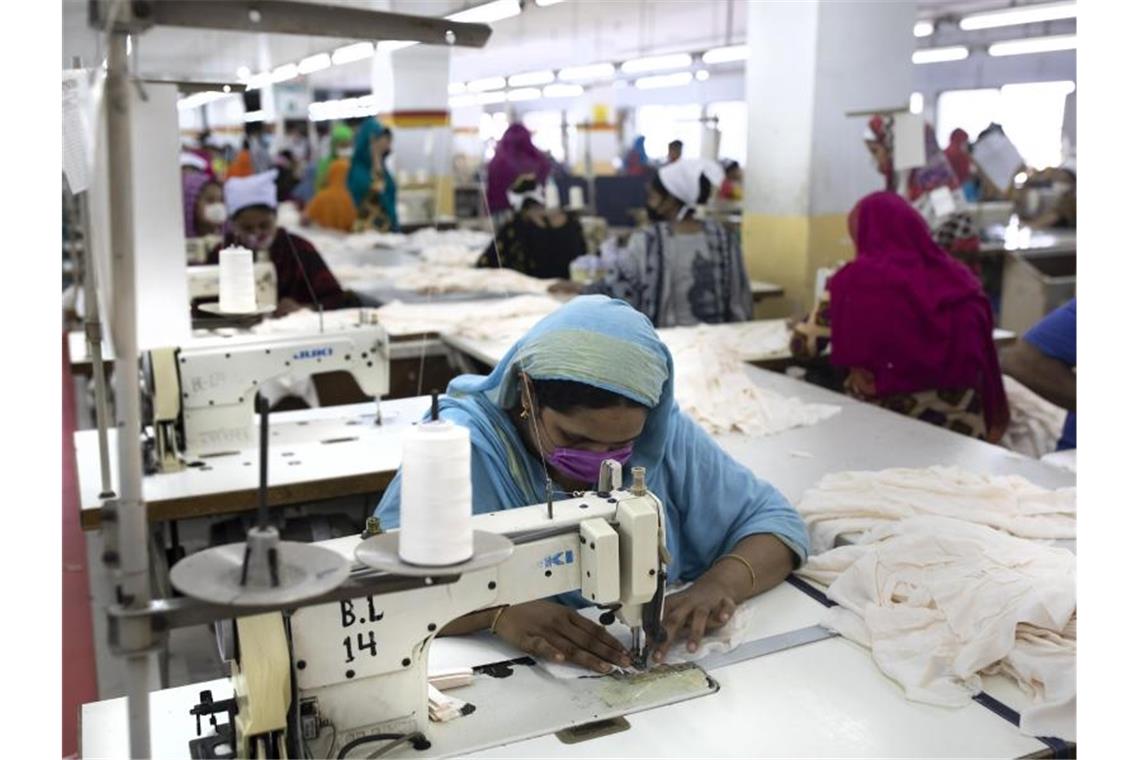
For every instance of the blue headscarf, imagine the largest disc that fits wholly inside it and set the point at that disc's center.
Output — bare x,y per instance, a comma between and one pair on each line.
712,502
360,173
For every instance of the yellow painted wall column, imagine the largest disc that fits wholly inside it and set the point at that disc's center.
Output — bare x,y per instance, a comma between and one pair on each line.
810,62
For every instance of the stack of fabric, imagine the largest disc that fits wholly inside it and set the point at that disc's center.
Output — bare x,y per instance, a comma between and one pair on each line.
848,503
712,387
941,602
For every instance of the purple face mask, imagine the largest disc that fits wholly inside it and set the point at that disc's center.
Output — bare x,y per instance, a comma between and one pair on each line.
584,465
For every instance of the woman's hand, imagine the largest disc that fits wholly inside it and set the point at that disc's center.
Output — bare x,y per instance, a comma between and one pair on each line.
704,606
558,633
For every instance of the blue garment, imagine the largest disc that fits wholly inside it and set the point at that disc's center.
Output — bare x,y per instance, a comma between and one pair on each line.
712,502
360,173
1056,337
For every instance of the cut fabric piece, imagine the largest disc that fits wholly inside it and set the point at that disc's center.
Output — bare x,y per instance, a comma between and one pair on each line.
724,639
940,601
713,388
846,503
1035,424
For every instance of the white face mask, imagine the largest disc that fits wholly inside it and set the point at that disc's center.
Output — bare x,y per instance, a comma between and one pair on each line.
214,213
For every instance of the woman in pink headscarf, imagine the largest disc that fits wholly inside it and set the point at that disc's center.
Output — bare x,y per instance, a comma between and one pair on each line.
909,324
958,154
515,155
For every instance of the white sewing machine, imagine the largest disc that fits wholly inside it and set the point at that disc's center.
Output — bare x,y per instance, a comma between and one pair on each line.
203,393
202,282
360,664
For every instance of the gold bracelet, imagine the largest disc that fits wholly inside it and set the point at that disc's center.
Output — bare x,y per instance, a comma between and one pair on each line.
747,564
498,614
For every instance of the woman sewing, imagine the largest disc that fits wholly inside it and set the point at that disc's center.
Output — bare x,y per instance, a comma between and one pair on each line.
371,184
535,241
590,382
909,324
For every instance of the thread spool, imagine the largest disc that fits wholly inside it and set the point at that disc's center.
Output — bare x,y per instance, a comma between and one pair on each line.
237,289
577,198
553,201
435,497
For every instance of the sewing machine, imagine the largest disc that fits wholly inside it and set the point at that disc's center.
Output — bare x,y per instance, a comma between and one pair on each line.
360,664
203,282
202,394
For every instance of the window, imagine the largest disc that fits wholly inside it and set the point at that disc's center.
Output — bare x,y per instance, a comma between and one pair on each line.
492,125
546,132
732,121
1030,114
662,125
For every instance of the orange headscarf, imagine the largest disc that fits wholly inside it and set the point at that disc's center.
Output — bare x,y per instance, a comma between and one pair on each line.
333,206
242,165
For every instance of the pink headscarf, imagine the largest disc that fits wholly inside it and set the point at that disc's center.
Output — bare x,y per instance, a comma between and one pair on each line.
910,314
193,183
515,155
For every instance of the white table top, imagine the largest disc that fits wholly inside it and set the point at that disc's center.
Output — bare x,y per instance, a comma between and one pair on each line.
761,288
296,437
823,699
489,352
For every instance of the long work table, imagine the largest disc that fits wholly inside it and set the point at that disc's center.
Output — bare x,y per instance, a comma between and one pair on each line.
826,698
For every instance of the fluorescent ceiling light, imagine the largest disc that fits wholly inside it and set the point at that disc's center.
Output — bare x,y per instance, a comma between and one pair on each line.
488,13
257,81
199,99
391,46
586,73
916,102
702,75
657,63
544,3
255,116
461,101
356,52
526,93
348,108
314,63
283,73
665,80
488,98
1025,14
243,73
923,28
531,78
456,88
1034,45
490,83
562,91
940,55
726,54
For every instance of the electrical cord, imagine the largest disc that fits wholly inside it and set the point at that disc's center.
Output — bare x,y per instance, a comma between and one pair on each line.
418,740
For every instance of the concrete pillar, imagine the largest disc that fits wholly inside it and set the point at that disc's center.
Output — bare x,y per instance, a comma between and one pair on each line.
810,62
410,85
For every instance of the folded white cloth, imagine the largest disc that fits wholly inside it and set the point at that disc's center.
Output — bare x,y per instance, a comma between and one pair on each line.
1034,423
940,601
846,503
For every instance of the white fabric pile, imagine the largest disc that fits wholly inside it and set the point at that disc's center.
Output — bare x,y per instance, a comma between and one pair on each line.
846,503
435,278
449,254
941,602
1034,423
712,387
499,319
475,240
505,319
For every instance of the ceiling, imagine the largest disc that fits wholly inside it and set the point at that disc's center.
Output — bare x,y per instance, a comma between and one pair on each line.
571,32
